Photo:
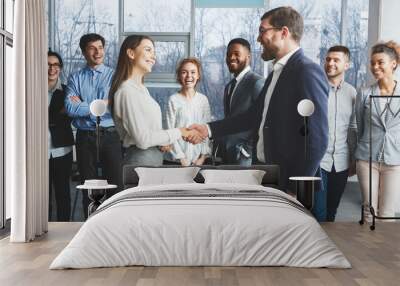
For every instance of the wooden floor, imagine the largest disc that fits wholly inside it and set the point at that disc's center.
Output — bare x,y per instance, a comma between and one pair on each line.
374,255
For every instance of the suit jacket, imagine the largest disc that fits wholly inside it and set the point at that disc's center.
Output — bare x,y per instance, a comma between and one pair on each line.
385,127
59,122
284,142
245,95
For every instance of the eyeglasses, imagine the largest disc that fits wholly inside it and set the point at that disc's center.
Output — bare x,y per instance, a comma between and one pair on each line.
55,66
262,30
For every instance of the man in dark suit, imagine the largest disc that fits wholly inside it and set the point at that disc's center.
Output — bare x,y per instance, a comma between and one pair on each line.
239,95
294,78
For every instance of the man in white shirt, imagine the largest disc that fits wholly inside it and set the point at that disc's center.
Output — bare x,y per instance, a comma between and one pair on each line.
338,162
239,95
295,77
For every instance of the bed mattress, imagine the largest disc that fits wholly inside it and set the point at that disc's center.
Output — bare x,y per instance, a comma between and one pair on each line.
201,225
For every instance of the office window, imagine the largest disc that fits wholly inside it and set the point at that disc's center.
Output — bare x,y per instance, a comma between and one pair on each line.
169,51
168,54
356,39
151,16
168,23
7,84
214,28
74,18
323,28
177,35
9,15
2,125
321,24
6,42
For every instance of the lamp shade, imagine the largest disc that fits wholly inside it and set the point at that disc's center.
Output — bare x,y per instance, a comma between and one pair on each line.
98,107
305,107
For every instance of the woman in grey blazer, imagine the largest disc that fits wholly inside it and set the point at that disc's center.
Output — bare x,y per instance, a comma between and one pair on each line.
385,121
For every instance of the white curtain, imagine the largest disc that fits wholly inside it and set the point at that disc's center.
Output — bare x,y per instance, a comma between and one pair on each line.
26,124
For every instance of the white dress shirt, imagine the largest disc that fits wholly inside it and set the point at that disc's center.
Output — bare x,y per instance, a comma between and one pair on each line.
239,77
342,127
277,70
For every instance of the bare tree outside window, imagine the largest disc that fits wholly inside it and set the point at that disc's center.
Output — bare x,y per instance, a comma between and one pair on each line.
75,18
213,29
356,41
157,16
322,27
168,55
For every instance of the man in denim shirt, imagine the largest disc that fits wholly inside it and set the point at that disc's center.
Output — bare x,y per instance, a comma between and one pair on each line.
338,162
90,83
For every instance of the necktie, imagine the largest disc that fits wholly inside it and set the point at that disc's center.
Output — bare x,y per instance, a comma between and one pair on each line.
232,85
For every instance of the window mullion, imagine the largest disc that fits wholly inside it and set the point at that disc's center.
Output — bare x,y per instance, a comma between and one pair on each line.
343,22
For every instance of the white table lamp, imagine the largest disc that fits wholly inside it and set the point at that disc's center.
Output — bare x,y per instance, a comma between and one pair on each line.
98,108
305,108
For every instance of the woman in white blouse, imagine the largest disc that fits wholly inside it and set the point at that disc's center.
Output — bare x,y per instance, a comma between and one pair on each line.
186,108
137,116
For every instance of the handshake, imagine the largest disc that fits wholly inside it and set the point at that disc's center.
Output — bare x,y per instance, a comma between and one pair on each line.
195,133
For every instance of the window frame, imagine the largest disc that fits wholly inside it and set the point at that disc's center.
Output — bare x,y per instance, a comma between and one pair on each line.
6,39
168,79
161,79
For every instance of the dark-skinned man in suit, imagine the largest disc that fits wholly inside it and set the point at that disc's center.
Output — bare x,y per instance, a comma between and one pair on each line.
239,95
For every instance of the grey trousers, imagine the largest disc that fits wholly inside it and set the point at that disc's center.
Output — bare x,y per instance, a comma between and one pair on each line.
149,157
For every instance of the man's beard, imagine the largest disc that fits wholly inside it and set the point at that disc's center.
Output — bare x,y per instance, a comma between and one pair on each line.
269,54
240,66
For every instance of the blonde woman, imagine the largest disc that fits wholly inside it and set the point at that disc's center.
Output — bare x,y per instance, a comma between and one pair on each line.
186,107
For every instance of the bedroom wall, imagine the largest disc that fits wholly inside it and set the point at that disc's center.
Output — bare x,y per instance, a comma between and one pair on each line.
384,22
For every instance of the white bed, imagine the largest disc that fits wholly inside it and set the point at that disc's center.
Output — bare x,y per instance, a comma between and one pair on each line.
203,225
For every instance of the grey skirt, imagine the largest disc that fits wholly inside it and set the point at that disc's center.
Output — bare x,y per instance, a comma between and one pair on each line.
150,157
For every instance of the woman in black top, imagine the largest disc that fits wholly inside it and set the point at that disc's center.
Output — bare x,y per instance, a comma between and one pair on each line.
60,141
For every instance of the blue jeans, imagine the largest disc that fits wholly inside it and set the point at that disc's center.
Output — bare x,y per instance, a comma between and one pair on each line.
327,200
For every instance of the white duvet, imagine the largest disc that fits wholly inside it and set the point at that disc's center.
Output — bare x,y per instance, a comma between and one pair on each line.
208,230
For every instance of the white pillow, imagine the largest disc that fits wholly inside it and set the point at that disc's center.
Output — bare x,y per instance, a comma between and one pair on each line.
249,177
163,176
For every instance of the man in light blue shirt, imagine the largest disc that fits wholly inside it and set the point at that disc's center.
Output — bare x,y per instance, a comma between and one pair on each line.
90,83
338,162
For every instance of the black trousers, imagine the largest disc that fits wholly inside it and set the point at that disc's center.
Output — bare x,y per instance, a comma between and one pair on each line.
59,178
110,159
334,184
327,200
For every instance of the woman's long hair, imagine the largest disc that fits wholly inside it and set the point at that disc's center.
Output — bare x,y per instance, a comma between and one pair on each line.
124,65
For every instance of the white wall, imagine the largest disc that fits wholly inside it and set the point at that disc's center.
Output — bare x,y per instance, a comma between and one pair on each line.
384,22
390,20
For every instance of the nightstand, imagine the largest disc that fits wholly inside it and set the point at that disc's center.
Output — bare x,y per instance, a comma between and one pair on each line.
96,195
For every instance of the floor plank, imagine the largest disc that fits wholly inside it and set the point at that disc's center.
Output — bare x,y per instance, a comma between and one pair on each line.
374,255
